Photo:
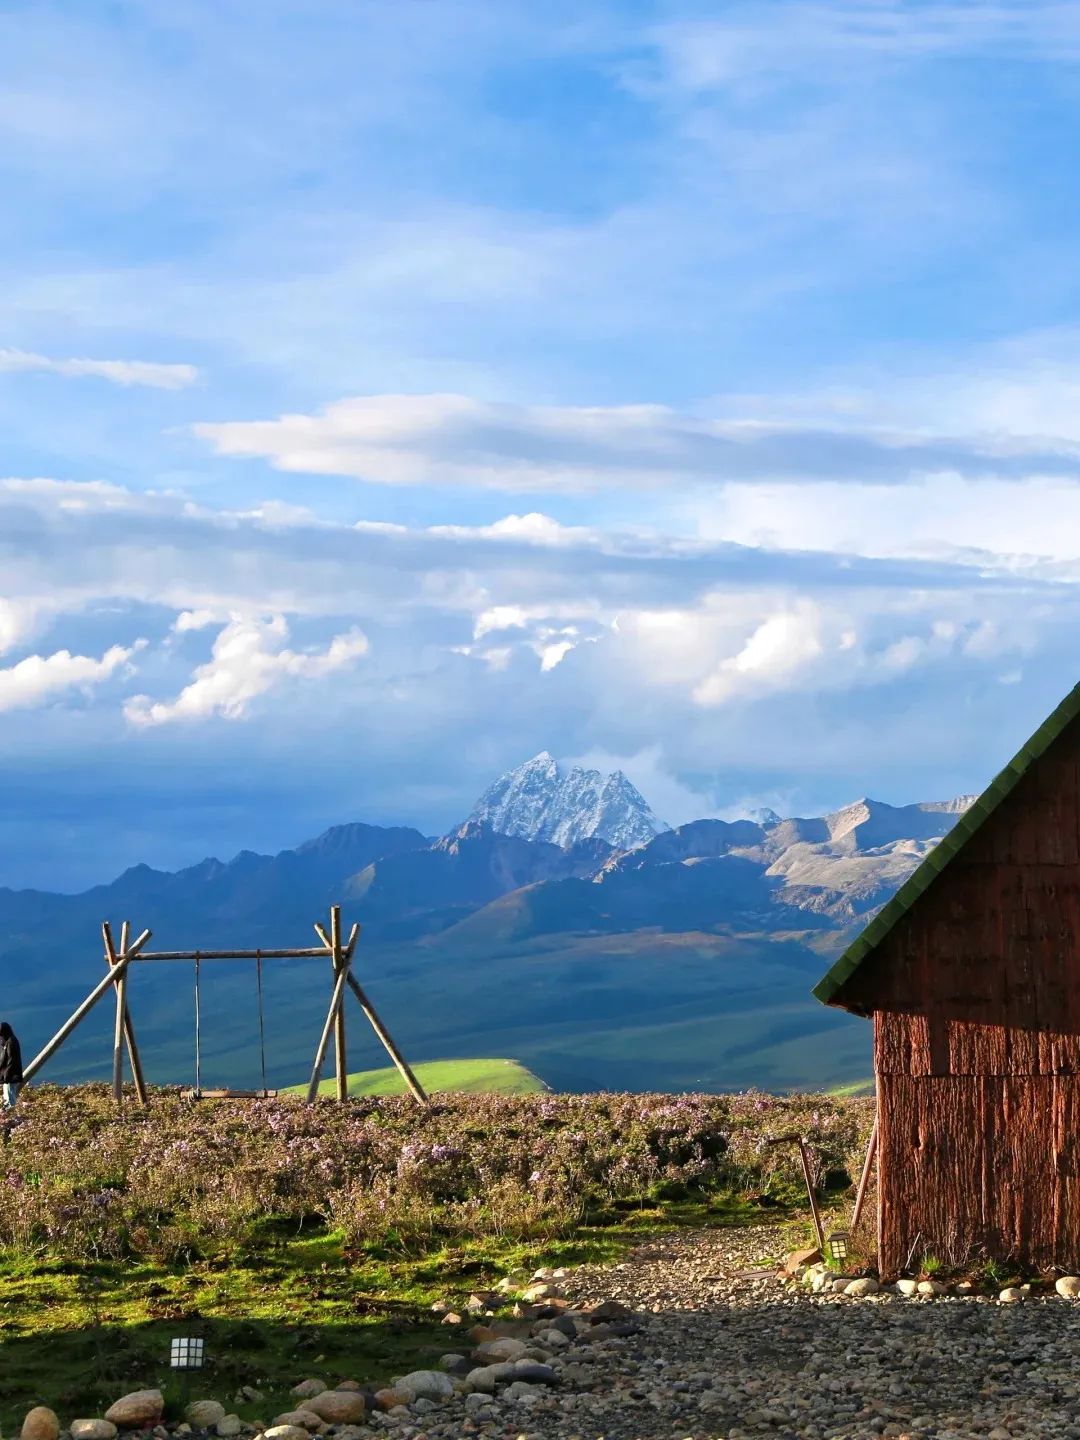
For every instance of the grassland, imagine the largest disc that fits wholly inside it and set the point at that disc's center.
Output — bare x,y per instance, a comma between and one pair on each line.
463,1077
314,1239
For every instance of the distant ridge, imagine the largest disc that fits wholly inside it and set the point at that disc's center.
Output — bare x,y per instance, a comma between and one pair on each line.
539,801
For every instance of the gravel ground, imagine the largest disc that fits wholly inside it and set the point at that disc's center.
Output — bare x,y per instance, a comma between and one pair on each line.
720,1353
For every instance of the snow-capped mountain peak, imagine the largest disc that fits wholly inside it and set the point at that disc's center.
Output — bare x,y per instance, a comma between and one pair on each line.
539,801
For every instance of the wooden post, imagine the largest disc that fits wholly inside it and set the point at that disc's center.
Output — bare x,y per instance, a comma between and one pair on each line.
129,1029
118,1036
864,1179
341,1070
795,1139
106,983
324,1038
416,1090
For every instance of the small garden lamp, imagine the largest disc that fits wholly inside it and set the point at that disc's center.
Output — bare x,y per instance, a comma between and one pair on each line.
185,1355
837,1245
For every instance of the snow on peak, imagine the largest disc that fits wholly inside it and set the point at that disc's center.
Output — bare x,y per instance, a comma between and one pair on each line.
539,801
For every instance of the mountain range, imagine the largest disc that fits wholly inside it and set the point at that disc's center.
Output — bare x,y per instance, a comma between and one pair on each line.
561,924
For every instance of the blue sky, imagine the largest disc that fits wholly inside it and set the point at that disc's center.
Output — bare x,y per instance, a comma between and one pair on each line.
389,391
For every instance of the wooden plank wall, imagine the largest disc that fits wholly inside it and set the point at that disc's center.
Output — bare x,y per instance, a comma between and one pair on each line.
977,1166
976,999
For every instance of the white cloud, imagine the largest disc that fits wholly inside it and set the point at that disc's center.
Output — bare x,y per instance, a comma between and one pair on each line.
17,619
780,646
249,658
454,440
117,372
40,678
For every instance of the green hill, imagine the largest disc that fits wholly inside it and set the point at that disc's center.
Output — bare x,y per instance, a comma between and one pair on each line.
488,1077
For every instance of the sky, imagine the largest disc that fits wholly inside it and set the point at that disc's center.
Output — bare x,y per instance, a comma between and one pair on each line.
392,389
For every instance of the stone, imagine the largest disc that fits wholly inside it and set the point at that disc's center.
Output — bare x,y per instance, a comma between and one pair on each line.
229,1427
486,1377
348,1385
1011,1294
92,1430
451,1318
307,1388
609,1310
285,1432
933,1287
304,1418
866,1286
507,1348
544,1290
907,1287
40,1424
798,1259
338,1407
203,1414
1068,1287
424,1385
387,1399
533,1373
137,1410
250,1393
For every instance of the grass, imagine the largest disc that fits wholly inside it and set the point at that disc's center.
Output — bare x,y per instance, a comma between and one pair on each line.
477,1077
75,1336
854,1087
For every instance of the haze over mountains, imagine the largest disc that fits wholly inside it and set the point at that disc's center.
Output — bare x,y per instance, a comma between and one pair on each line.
561,924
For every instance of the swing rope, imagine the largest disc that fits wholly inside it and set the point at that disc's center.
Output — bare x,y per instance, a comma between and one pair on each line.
198,1036
262,1028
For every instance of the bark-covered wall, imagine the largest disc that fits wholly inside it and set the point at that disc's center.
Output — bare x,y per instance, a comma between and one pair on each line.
976,999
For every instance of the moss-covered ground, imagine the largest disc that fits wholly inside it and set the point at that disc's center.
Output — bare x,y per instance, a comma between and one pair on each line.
75,1336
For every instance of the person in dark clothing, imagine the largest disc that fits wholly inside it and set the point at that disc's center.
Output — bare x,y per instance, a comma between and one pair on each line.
11,1073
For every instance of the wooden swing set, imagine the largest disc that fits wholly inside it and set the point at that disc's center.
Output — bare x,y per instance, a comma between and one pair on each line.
118,960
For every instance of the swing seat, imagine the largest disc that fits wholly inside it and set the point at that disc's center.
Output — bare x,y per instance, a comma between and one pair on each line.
194,1094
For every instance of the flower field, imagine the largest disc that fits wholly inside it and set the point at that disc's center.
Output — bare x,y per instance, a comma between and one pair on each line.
290,1236
190,1179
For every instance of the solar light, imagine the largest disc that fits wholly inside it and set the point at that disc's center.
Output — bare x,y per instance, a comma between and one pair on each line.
186,1354
837,1244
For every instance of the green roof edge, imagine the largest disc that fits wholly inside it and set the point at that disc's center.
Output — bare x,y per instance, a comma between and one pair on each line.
1002,784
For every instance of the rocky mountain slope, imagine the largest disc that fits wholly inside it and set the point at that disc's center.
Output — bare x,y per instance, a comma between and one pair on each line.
539,801
685,961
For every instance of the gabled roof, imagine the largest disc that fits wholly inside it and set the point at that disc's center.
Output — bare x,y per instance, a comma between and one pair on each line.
867,942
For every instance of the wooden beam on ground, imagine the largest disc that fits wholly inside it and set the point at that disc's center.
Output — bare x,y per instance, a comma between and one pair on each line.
80,1014
134,1058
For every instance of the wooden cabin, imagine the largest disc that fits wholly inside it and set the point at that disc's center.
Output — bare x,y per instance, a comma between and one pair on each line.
971,975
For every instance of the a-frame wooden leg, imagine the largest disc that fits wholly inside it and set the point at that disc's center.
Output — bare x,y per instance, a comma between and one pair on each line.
864,1178
328,1027
124,1014
107,983
341,1067
416,1090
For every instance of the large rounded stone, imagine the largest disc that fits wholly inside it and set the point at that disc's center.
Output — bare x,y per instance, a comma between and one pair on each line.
1068,1286
486,1377
933,1287
857,1288
92,1430
494,1351
134,1411
1011,1294
231,1426
285,1432
338,1407
40,1424
204,1413
307,1388
305,1418
424,1385
907,1287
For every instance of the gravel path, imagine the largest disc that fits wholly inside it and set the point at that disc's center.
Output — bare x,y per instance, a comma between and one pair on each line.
720,1353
